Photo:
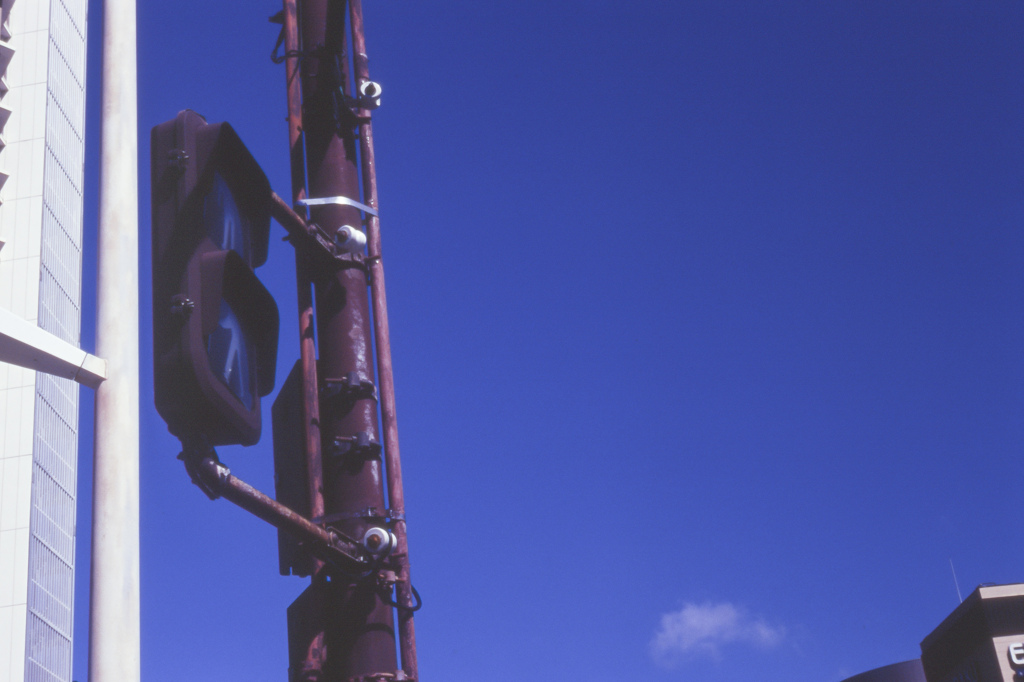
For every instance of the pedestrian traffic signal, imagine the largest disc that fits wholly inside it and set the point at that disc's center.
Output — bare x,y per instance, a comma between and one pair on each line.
215,325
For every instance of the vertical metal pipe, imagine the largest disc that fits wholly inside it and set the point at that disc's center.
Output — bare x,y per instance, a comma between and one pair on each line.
312,666
307,346
293,84
114,587
360,631
385,375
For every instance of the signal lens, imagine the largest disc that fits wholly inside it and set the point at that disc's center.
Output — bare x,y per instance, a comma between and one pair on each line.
228,350
226,226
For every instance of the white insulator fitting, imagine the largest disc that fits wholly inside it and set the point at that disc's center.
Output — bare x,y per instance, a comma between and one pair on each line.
379,541
369,93
370,89
350,239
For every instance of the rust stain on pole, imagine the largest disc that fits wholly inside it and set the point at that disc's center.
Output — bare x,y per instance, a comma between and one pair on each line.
396,495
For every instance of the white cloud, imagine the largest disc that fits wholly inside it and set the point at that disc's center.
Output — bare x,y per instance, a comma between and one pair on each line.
703,629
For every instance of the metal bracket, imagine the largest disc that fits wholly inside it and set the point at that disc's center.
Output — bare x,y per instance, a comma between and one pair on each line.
359,446
341,201
177,159
361,103
302,232
370,513
182,307
195,449
386,579
349,389
383,677
353,260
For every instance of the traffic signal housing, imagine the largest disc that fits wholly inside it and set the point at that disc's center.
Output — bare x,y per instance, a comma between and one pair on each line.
215,326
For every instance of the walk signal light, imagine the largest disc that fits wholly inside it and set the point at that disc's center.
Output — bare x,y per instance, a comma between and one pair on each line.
215,326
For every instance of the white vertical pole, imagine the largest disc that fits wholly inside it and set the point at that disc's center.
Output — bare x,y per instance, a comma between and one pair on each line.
114,589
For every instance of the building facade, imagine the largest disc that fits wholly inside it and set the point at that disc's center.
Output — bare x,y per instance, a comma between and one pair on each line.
42,142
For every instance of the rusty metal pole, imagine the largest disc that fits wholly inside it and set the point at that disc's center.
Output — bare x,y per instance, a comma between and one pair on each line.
307,346
385,375
311,666
359,636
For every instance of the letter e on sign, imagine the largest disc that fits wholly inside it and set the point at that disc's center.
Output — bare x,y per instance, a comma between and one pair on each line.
1016,652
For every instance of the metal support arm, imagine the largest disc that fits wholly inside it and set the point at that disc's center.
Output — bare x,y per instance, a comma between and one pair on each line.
216,480
26,345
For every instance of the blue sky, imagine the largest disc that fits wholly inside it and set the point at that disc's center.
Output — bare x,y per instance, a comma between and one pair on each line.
707,326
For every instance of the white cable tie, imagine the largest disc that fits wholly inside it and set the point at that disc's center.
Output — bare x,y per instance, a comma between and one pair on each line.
343,201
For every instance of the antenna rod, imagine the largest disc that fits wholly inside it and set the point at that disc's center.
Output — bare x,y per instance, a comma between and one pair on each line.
955,581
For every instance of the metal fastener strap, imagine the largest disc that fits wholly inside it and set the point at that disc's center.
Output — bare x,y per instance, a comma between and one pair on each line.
343,201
